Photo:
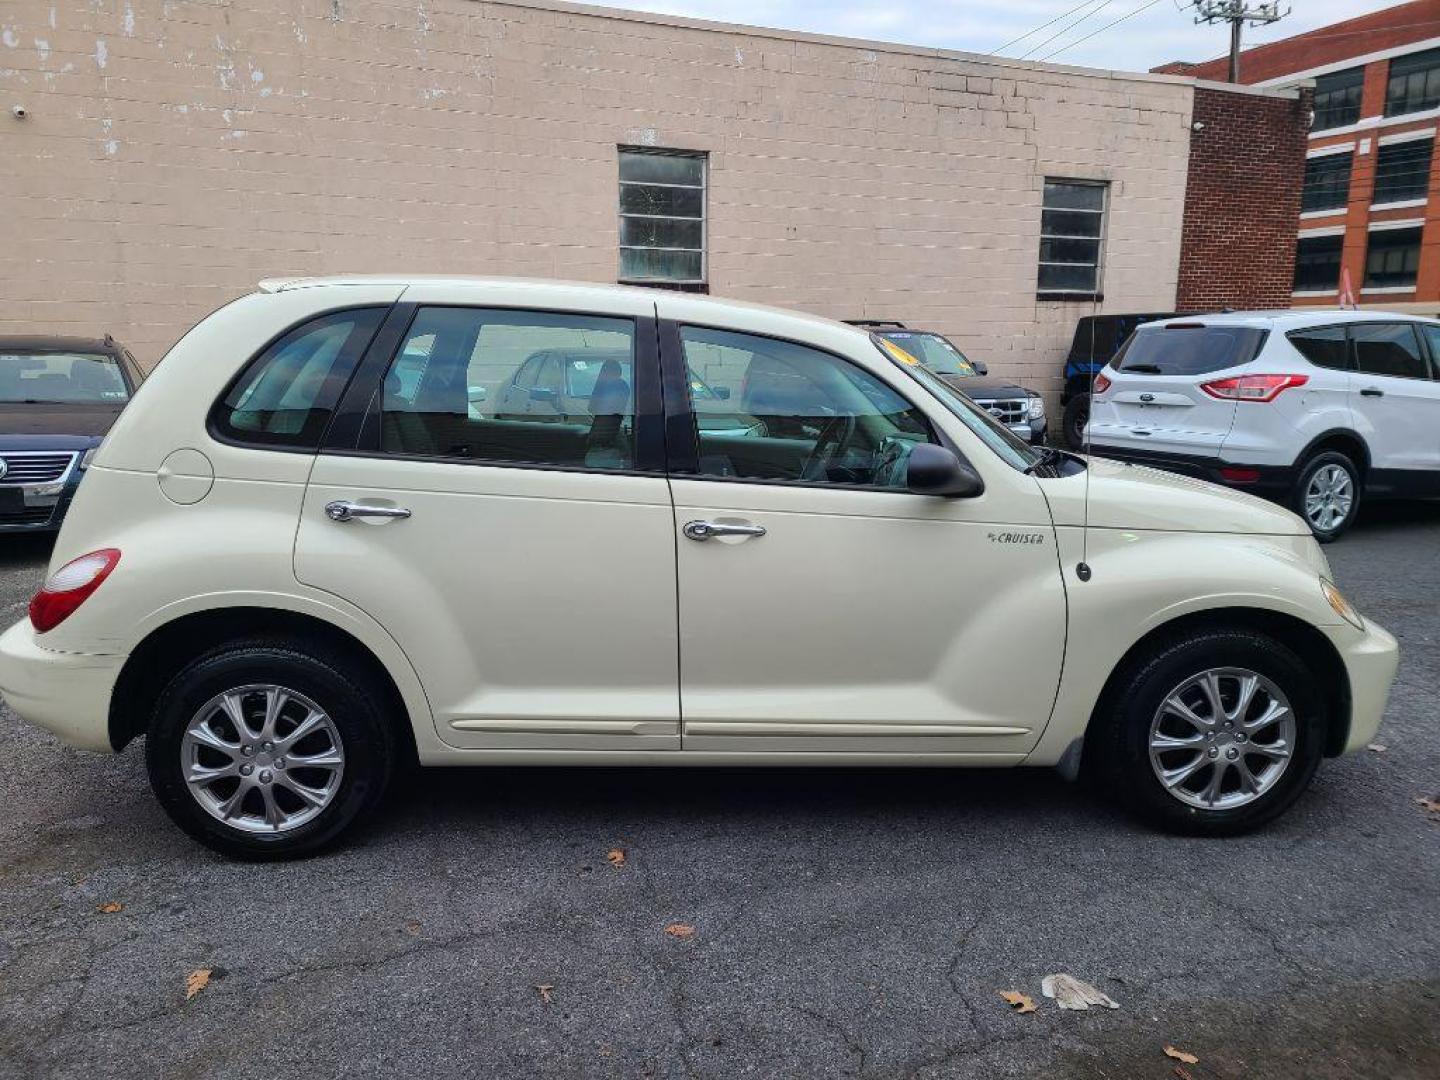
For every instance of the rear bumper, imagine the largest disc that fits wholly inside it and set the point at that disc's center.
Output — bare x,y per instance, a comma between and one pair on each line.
1371,657
1274,481
65,693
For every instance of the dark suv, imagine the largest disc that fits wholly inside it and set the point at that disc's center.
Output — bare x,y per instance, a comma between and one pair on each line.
1020,410
1097,339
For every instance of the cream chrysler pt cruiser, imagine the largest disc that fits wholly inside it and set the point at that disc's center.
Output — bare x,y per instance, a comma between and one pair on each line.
357,522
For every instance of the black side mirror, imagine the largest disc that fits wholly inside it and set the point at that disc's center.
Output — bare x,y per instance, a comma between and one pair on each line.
722,393
981,368
934,470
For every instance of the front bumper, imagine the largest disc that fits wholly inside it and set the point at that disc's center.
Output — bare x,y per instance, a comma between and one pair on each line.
65,693
38,507
1371,657
1273,481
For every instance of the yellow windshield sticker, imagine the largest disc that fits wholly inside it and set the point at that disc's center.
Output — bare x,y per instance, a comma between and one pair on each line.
898,353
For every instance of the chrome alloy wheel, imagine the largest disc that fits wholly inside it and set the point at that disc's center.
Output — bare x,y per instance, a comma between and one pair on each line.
262,759
1222,738
1328,497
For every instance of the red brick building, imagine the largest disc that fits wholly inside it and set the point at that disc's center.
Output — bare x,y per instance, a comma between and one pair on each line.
1366,210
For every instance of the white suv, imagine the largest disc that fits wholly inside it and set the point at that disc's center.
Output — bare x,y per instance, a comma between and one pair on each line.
311,550
1314,408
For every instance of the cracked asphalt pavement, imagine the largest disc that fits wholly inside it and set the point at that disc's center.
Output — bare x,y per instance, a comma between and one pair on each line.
847,923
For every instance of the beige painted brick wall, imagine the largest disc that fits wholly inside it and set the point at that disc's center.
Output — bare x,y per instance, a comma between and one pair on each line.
179,150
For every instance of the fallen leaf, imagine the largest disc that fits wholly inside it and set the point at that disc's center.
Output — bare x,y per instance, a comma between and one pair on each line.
1072,993
680,930
545,989
1378,748
413,927
196,981
1018,1002
110,908
616,856
1181,1055
1433,805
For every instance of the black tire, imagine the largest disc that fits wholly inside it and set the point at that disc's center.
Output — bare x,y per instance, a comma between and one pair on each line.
343,689
1118,746
1302,483
1077,413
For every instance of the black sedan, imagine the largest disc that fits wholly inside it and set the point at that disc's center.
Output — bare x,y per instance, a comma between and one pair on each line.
58,398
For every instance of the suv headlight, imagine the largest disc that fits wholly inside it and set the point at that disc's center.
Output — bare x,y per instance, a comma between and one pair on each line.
1340,605
1037,407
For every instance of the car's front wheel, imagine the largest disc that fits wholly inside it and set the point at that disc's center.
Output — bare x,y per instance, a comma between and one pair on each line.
1213,735
261,750
1327,494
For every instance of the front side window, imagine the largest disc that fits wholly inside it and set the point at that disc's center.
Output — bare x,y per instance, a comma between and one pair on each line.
778,411
1327,182
932,350
1389,349
1414,83
1072,230
513,387
287,394
1402,171
72,378
662,217
1324,346
1337,98
1317,263
1393,258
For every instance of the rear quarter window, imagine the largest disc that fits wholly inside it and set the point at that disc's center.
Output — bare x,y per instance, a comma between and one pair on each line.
1323,346
1188,349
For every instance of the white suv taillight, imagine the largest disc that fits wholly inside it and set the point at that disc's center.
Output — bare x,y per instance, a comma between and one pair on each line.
1260,388
1100,385
69,587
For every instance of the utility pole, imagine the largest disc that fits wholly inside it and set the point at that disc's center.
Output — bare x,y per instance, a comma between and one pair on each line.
1237,13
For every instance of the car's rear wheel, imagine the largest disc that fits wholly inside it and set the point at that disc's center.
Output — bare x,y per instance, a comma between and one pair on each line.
1077,415
1327,494
261,750
1211,735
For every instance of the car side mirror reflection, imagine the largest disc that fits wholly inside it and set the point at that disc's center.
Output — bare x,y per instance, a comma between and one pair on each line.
544,393
934,470
981,368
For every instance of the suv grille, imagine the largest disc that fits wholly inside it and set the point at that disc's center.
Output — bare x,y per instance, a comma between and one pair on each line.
27,468
1014,411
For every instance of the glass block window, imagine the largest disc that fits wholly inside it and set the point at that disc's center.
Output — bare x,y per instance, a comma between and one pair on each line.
1327,182
1072,234
1393,258
662,216
1414,83
1317,263
1402,171
1337,98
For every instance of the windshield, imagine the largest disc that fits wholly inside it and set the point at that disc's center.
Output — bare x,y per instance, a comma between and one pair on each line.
1188,349
1014,451
72,378
932,350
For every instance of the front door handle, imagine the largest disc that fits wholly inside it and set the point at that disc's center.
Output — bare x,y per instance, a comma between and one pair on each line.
348,511
1372,391
705,530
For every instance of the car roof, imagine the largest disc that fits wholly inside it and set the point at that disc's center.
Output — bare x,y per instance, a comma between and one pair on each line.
58,343
1290,318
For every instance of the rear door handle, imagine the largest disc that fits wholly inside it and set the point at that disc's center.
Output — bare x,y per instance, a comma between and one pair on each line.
348,511
1372,391
705,530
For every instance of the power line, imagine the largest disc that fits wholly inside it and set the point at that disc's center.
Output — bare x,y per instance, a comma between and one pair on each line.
1107,26
1042,26
1065,29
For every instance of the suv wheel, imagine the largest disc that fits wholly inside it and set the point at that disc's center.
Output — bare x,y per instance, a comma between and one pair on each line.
1212,735
261,751
1077,415
1327,494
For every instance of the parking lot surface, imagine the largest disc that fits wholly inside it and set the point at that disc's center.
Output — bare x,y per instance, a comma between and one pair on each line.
846,923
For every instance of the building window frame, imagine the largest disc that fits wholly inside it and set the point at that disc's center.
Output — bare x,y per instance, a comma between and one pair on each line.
1405,176
1399,263
1065,223
1338,98
1323,187
1326,249
629,196
1413,83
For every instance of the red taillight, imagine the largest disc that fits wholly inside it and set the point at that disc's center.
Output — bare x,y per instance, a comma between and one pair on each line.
1237,475
69,587
1101,384
1260,388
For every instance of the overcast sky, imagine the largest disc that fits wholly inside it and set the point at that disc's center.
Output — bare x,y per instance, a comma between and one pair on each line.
1160,30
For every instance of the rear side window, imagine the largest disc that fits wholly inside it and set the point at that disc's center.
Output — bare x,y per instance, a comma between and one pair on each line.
287,394
1324,346
1188,349
1389,349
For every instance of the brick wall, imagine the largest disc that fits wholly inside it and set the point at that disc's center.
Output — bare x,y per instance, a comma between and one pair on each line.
1246,166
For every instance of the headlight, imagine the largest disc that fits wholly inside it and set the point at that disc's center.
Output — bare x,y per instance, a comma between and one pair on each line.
88,457
1037,407
1340,605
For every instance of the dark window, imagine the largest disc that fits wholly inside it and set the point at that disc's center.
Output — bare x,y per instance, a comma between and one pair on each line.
1327,182
1324,346
662,216
1072,229
78,378
775,410
1431,333
1414,83
1389,349
1393,258
1188,349
286,395
1402,170
525,387
1337,98
1317,263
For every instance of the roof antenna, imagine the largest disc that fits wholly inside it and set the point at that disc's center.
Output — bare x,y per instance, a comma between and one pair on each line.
1082,568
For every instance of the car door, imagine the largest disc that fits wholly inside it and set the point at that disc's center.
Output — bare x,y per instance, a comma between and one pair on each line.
525,565
823,607
1396,404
